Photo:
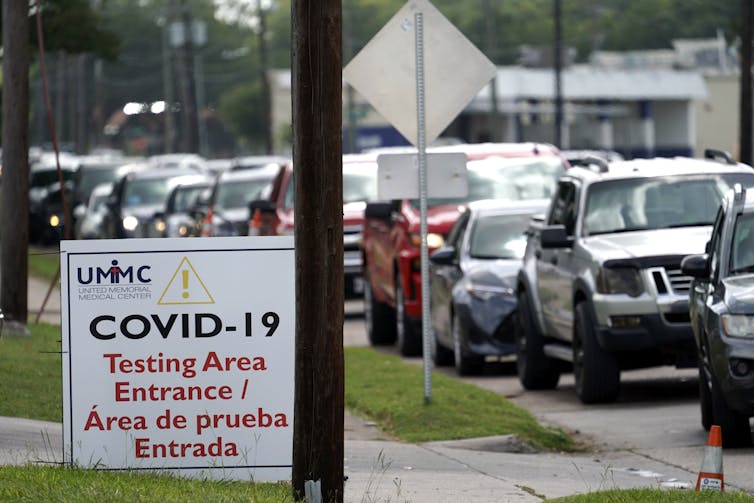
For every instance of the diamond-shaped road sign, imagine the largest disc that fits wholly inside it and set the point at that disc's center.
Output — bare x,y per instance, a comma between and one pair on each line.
384,71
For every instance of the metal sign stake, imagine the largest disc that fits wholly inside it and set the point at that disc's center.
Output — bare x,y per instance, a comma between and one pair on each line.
422,158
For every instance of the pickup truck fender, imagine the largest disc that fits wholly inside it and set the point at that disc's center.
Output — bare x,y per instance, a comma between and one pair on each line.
526,281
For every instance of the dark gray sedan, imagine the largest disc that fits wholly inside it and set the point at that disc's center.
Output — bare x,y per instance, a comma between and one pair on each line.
473,278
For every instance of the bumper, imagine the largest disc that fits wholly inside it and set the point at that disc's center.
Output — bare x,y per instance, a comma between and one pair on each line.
737,389
488,327
648,332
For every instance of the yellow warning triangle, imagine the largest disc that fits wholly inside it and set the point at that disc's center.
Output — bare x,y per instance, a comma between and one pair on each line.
185,287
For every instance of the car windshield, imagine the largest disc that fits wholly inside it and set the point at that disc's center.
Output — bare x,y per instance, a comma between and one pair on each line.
235,194
45,177
508,179
185,198
147,191
359,185
89,177
656,202
742,249
499,236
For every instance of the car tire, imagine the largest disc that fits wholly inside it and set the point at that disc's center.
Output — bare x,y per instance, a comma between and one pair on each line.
441,356
408,341
465,364
378,317
595,371
535,369
705,399
734,426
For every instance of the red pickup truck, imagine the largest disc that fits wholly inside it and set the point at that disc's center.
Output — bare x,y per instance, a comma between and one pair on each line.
391,240
273,215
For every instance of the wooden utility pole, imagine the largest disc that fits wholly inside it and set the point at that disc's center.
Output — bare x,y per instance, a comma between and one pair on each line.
316,60
14,223
745,129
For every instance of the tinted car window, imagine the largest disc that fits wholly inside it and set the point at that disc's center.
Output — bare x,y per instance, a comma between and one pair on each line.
742,251
146,191
655,203
238,193
507,178
499,236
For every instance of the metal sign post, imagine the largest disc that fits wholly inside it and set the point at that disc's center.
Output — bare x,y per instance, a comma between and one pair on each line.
422,151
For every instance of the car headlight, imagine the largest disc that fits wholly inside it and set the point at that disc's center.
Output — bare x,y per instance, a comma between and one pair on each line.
54,220
130,223
620,280
434,240
160,226
487,292
738,325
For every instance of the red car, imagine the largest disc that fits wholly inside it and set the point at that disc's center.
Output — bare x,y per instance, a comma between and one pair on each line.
391,242
274,214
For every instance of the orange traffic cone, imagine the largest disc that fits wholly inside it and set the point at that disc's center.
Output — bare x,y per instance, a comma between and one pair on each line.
256,223
711,474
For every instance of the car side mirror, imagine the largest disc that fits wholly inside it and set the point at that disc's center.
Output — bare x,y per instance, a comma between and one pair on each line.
554,236
696,266
708,246
445,255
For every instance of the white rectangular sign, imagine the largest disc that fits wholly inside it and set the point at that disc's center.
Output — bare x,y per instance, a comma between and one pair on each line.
398,175
178,354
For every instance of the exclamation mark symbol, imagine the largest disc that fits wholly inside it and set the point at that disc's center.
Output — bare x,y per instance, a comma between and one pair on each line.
184,276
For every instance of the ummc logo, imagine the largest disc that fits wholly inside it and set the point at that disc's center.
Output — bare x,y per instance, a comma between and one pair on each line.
113,275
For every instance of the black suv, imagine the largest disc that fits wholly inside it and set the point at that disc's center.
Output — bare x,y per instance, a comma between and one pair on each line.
721,305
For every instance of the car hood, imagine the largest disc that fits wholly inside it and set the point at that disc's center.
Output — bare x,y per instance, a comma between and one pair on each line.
440,218
739,294
143,211
657,242
235,215
499,272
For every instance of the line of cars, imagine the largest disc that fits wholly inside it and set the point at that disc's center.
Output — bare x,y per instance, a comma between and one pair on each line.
610,273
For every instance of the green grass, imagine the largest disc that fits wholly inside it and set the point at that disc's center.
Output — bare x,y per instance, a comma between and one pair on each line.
31,373
43,263
58,484
390,392
655,496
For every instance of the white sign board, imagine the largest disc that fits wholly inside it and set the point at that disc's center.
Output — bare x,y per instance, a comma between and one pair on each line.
178,354
384,71
398,175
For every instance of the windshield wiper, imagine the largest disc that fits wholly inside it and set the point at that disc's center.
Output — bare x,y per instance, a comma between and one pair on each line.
617,231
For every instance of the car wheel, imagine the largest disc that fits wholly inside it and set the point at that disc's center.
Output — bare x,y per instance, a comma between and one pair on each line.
409,343
705,399
734,426
441,356
595,370
535,369
379,318
465,364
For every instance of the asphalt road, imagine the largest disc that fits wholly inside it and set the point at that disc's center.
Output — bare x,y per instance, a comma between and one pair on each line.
655,417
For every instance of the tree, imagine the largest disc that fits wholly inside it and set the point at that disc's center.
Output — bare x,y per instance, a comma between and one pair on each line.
241,107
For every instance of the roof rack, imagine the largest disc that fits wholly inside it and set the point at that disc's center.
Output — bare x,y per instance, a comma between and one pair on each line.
718,155
592,160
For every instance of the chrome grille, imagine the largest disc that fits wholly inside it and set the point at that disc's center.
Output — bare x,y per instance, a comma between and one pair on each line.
679,283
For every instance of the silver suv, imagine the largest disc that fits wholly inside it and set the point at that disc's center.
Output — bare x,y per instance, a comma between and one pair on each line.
601,288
